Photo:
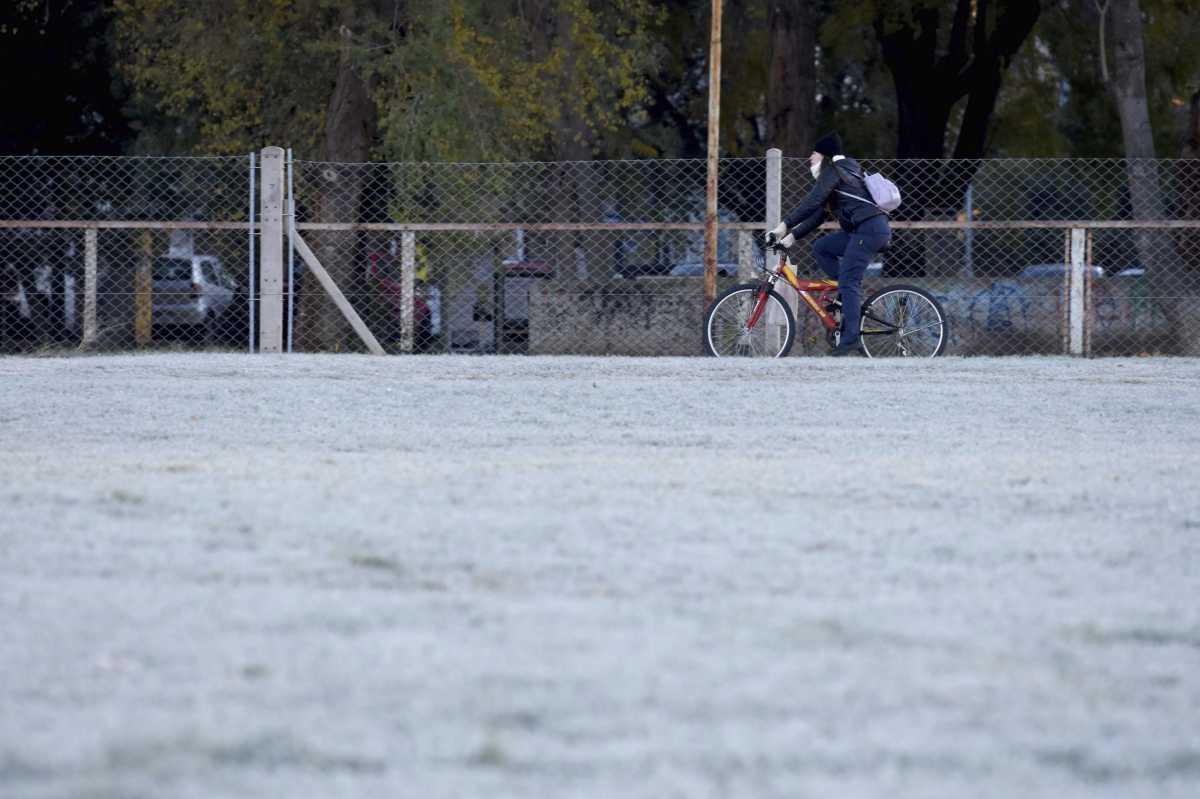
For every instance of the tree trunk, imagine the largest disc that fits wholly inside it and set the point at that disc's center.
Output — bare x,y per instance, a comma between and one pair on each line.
349,133
1189,189
932,72
1187,242
1128,87
1127,82
792,77
584,185
1189,177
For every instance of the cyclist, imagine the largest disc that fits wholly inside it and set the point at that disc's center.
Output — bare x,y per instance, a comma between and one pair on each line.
865,230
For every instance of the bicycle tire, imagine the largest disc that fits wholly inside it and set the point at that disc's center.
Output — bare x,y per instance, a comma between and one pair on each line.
733,307
885,314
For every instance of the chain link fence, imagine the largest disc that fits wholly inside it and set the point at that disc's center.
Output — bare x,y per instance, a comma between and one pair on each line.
991,239
112,253
579,257
576,258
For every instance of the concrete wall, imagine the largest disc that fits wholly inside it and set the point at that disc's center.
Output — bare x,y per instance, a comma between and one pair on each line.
644,316
663,316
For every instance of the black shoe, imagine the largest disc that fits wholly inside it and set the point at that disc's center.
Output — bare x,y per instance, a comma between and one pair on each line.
846,348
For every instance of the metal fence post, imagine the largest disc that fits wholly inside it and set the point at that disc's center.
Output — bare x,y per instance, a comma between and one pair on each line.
270,336
89,286
251,280
291,279
1075,291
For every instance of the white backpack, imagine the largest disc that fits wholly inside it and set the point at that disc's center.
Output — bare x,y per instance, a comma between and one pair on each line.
885,195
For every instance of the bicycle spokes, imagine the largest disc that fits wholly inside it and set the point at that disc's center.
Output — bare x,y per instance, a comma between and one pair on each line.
749,321
904,322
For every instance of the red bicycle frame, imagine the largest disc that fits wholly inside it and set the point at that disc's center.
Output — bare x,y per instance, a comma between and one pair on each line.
815,294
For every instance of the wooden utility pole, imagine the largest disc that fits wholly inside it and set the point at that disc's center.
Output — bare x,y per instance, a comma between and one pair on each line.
714,146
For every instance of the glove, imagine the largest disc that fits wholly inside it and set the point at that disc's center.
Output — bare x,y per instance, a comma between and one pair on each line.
778,232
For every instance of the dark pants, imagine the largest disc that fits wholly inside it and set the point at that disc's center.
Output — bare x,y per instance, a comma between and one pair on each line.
844,257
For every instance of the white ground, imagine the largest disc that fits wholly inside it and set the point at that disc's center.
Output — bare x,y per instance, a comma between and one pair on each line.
310,576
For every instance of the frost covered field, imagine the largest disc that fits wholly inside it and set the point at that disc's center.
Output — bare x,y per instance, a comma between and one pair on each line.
328,576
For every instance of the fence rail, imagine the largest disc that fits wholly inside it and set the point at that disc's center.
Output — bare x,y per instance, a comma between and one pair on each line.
1024,224
577,257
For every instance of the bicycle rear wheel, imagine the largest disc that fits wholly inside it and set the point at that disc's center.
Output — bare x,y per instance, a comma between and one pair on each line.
745,322
905,322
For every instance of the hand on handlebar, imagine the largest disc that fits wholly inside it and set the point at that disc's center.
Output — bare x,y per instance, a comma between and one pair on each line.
775,234
778,238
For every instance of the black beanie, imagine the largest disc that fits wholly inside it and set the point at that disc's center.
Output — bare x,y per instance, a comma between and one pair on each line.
829,145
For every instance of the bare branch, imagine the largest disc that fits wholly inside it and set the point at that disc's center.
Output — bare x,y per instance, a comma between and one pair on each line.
1102,9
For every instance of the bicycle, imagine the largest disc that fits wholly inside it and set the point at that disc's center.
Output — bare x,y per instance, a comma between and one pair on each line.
753,320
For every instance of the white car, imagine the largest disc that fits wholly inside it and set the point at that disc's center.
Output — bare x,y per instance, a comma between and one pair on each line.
696,269
190,290
1055,270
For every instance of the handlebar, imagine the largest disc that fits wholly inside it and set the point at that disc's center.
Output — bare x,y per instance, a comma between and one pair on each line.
779,245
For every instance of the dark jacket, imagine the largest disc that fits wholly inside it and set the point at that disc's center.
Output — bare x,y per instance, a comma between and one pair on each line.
842,175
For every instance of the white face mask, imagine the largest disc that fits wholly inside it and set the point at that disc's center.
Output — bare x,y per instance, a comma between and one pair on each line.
815,168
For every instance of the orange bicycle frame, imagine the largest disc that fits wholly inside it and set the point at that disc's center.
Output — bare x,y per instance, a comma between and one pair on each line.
821,289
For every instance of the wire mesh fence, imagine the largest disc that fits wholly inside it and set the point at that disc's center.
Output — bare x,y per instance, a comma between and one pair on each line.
116,253
578,257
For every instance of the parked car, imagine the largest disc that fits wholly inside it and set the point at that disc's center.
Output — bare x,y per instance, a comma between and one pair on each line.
696,269
1055,270
191,291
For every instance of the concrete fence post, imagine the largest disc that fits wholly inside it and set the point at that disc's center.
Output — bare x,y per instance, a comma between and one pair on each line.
408,269
90,278
270,251
774,215
1076,280
143,292
774,209
1088,282
339,299
745,255
252,272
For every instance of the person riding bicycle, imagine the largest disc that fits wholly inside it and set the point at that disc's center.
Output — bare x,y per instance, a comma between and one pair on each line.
865,230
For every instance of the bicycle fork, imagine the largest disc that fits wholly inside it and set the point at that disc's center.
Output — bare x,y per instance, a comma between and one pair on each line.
760,304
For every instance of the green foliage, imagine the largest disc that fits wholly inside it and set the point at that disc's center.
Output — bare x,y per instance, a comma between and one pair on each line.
1031,111
1172,28
468,79
228,76
562,80
855,92
552,79
1055,102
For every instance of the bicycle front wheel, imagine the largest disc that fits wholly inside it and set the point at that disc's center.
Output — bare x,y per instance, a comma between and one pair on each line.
746,321
905,322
